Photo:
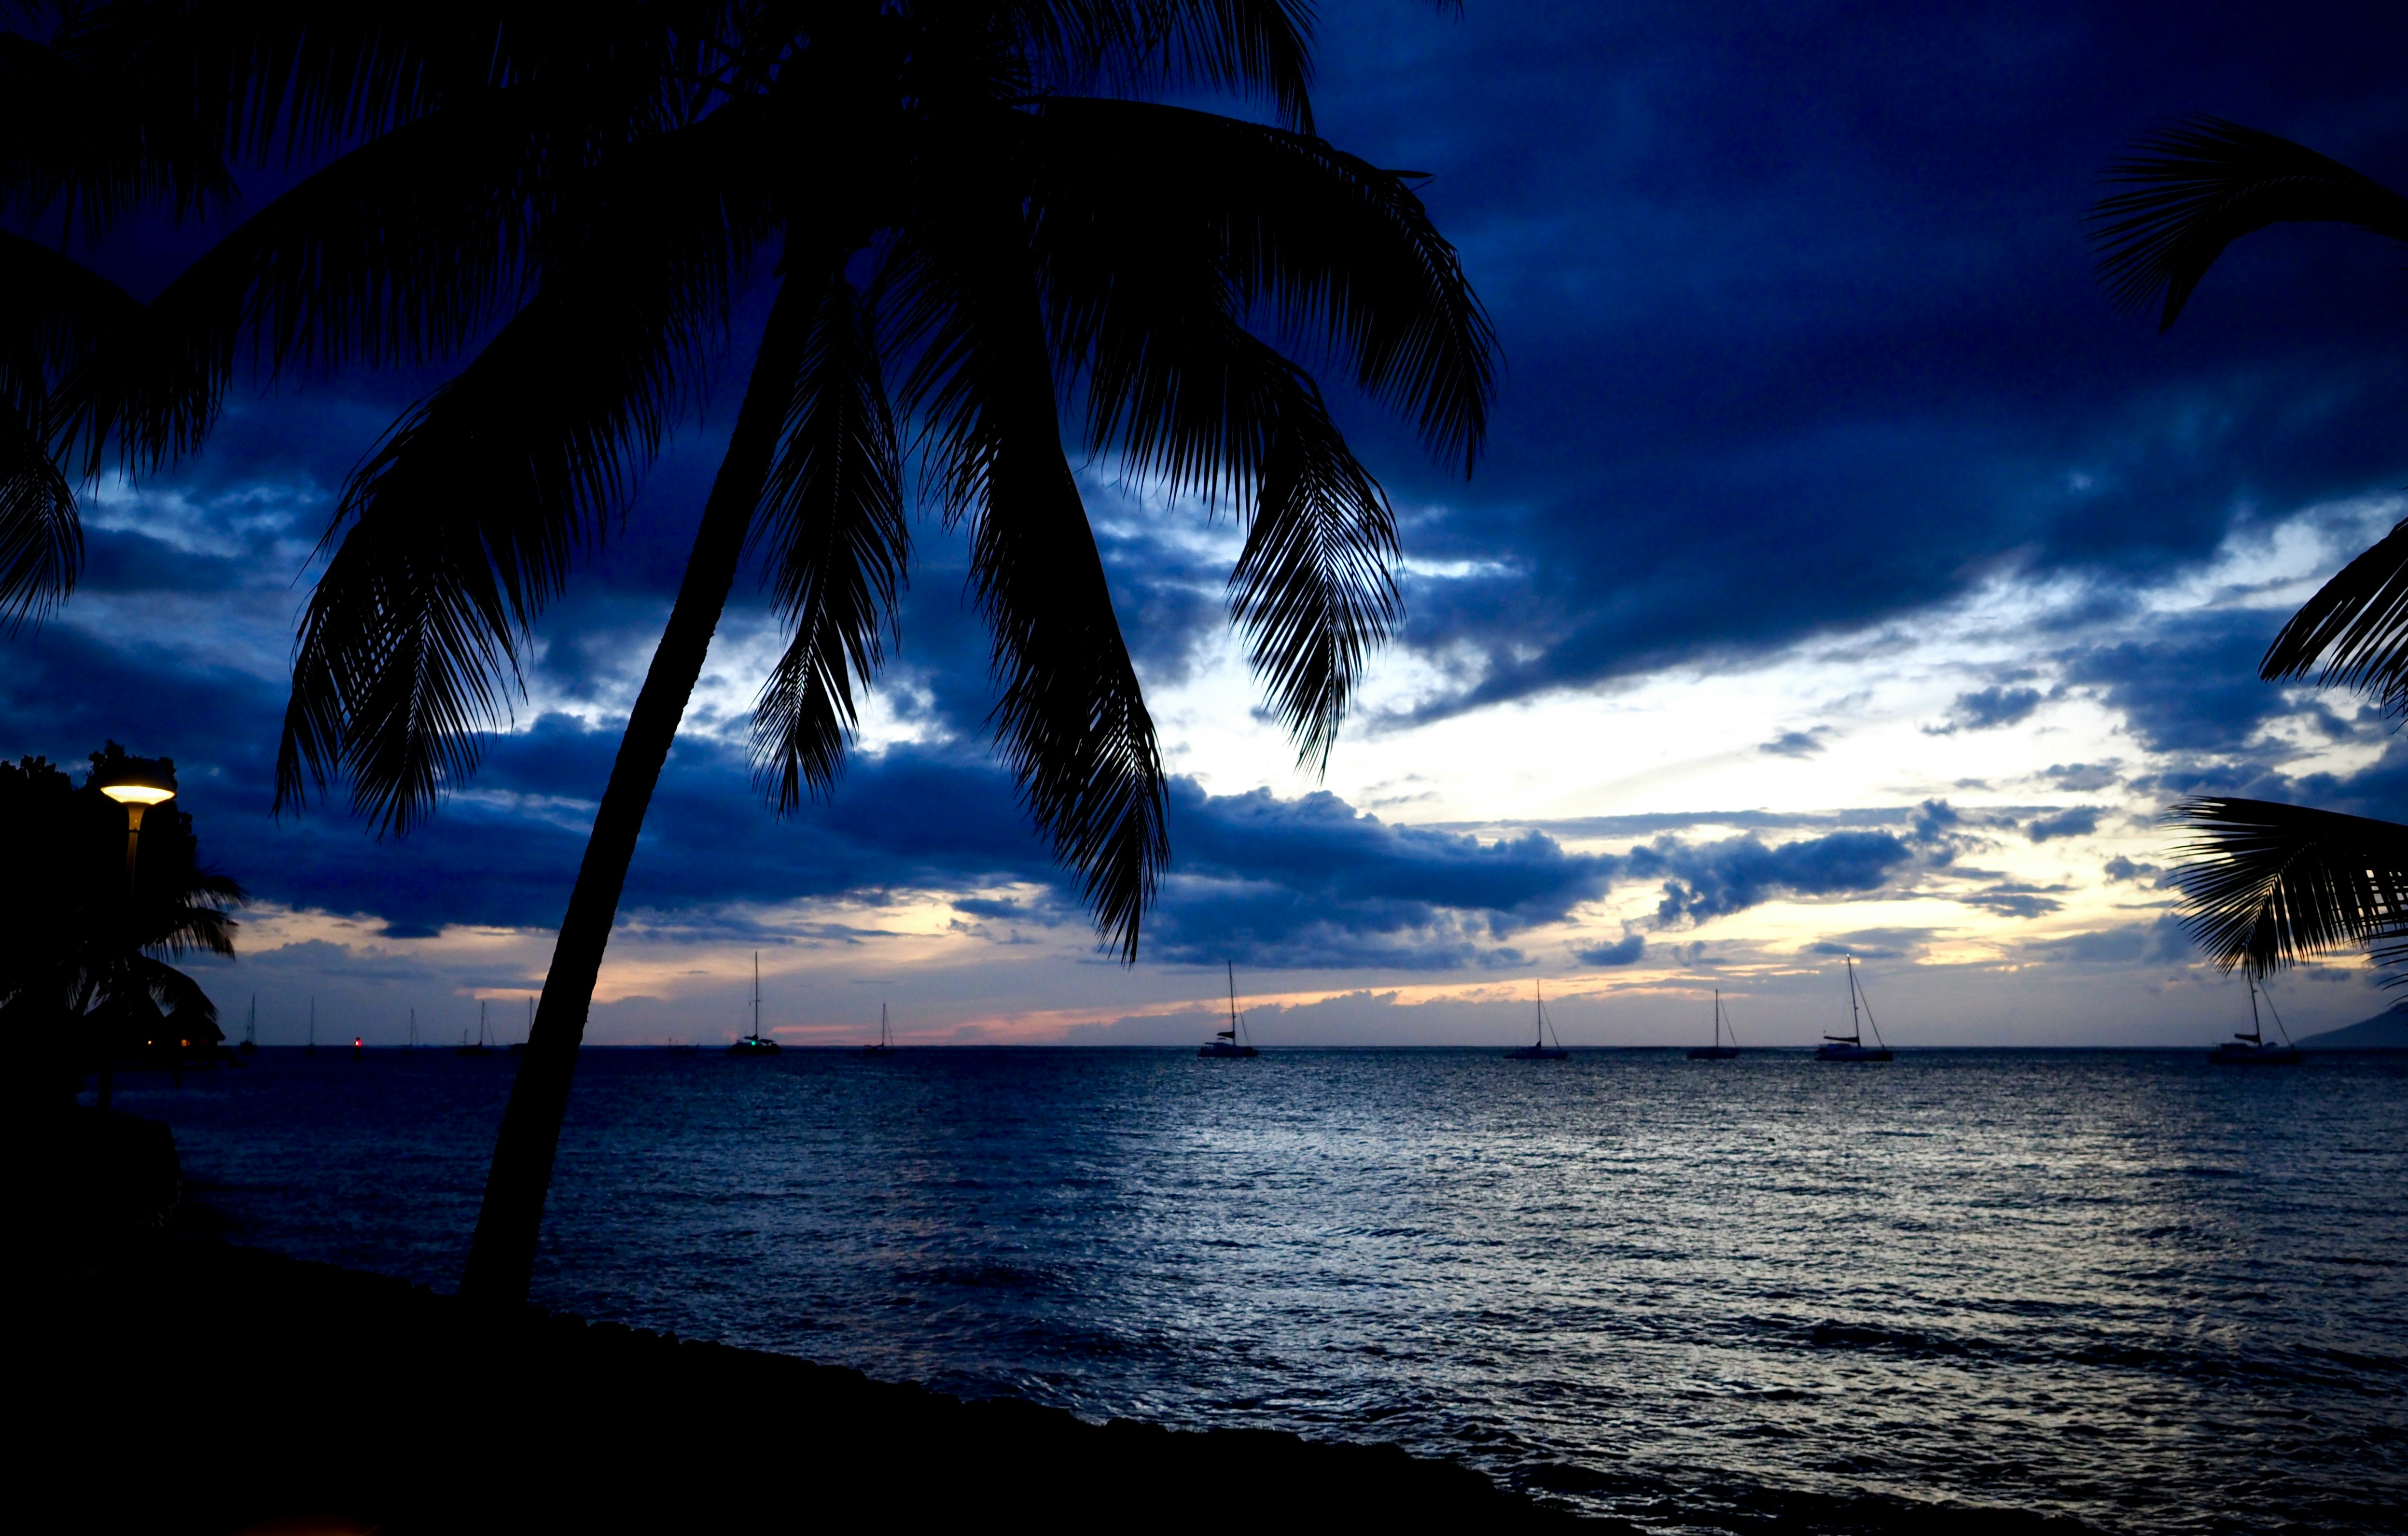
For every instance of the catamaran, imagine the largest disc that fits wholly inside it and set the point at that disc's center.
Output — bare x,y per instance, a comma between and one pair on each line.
1538,1050
1233,1040
1852,1046
885,1037
755,1044
1717,1051
2252,1049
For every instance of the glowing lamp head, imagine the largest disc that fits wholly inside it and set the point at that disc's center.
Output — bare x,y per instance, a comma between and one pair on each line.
138,781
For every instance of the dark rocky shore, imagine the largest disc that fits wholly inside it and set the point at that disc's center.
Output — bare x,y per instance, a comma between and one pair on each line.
175,1382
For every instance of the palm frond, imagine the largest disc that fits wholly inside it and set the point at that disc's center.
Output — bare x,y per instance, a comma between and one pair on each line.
59,311
2268,885
1322,245
833,518
399,252
1071,722
2204,183
2353,632
1314,591
260,79
41,536
1247,48
463,524
86,147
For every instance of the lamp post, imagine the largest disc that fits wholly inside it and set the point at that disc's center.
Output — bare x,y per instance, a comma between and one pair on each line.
137,784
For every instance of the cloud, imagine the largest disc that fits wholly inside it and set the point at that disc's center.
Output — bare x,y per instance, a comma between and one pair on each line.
2077,822
1623,952
2158,942
2081,777
1797,743
2008,900
2120,868
1988,709
1706,880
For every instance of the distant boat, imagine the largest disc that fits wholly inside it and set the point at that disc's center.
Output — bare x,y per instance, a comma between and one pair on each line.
755,1044
1538,1050
249,1045
1852,1047
1232,1042
1717,1051
2251,1050
885,1037
481,1048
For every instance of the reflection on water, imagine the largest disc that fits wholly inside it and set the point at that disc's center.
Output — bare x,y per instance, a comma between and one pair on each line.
2127,1289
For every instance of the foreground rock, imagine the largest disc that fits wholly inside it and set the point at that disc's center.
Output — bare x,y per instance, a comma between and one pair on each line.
172,1384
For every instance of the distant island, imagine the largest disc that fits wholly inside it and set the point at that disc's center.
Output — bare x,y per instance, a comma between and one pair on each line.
2385,1031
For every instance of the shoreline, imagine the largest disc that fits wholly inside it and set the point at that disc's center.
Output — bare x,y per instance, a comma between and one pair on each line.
294,1395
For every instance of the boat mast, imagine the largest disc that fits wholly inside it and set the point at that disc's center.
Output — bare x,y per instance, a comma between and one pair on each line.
2256,1030
1232,1031
757,993
1718,1018
1855,1022
1538,1015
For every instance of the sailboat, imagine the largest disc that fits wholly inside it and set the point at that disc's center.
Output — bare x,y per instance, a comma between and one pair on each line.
2252,1050
885,1037
481,1048
755,1044
1229,1041
1852,1046
1538,1050
249,1045
1717,1051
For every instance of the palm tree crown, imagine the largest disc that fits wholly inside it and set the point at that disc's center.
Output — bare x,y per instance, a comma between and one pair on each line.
970,217
2267,885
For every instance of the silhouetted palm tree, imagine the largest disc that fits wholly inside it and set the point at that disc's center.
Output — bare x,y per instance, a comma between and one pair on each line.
968,201
2266,884
84,958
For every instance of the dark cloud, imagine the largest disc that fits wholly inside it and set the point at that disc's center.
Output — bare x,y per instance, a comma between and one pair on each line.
1622,952
1988,709
2008,900
2078,822
1705,880
2120,868
2158,942
1784,360
2081,777
1873,943
2190,686
1797,743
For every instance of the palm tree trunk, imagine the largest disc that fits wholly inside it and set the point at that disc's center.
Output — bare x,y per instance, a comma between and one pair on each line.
501,1256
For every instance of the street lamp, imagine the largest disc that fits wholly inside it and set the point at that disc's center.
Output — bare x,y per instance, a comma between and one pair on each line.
137,784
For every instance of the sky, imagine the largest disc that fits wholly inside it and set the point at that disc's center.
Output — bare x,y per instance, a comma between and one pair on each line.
1843,576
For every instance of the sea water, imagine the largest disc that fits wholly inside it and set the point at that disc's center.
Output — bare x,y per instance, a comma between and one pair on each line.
2131,1290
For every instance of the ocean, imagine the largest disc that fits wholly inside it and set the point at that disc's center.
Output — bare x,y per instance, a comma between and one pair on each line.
2128,1291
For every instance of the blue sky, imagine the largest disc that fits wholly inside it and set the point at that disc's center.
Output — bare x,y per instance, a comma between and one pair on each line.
1844,575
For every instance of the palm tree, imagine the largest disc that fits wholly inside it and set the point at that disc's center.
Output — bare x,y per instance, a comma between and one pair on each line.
973,221
85,965
2268,885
